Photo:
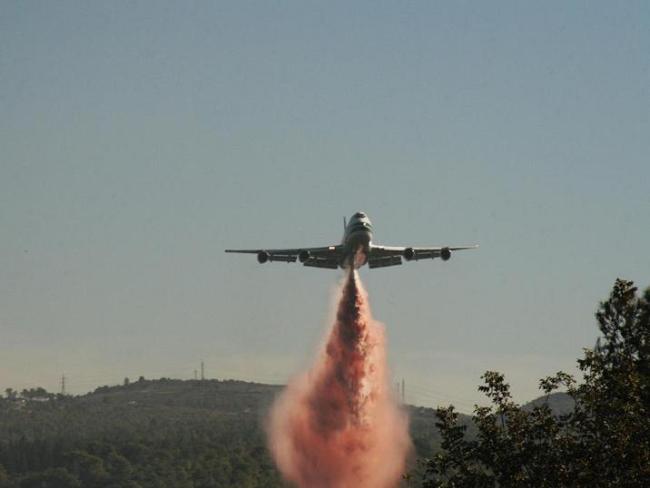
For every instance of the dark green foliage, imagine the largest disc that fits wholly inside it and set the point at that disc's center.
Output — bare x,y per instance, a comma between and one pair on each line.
165,433
50,478
604,440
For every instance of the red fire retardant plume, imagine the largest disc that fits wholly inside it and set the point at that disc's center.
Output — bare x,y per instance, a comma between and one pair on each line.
338,425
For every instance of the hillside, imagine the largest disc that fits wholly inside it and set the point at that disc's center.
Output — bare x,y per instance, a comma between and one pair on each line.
560,403
230,399
163,433
155,433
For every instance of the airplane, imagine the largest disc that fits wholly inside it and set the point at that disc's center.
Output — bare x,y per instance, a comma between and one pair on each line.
356,249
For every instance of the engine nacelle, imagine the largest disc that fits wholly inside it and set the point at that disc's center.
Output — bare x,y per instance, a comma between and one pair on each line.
303,256
409,253
263,257
445,253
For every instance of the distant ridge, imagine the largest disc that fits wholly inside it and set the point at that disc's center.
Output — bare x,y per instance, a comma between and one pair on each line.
560,403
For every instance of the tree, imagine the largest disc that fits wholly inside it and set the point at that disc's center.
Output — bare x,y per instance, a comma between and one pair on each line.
38,392
88,468
604,441
4,477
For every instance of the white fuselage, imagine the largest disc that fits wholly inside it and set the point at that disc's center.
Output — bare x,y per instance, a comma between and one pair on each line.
357,239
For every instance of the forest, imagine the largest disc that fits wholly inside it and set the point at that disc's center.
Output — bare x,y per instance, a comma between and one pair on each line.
151,433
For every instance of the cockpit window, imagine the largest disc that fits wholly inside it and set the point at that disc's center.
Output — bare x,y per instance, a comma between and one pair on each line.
359,215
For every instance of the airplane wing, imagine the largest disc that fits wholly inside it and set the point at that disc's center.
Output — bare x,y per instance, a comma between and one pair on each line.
383,255
316,257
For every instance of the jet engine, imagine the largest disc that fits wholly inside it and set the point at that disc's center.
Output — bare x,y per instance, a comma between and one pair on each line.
303,256
263,257
445,253
409,253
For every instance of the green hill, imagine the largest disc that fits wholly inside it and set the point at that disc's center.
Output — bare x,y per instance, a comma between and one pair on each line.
152,434
559,403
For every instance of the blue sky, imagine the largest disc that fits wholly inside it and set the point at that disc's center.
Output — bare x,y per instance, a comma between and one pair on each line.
140,139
